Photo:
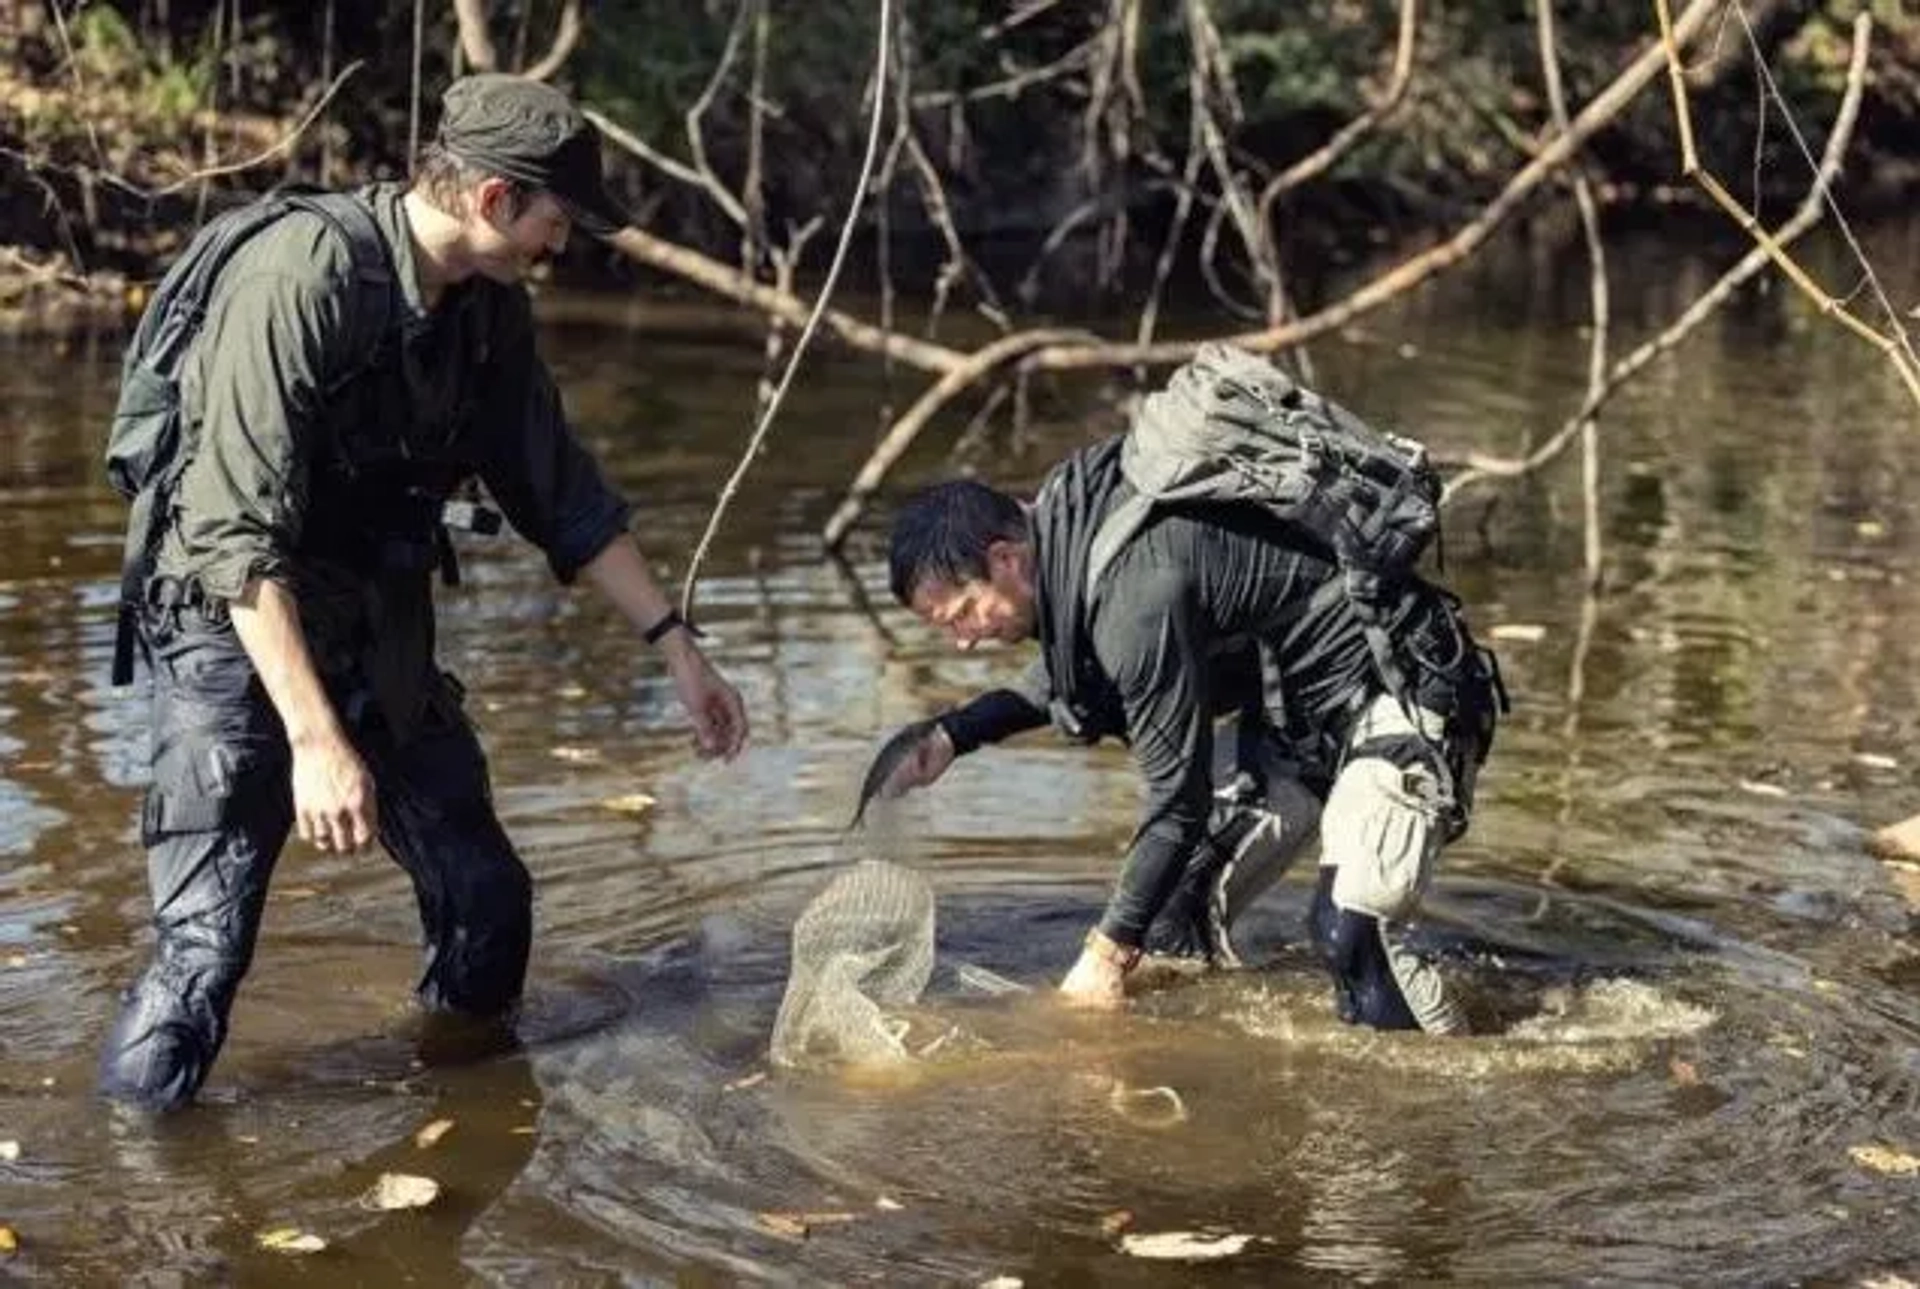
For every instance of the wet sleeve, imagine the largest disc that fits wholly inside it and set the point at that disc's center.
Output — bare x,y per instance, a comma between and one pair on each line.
1151,644
999,713
548,485
260,369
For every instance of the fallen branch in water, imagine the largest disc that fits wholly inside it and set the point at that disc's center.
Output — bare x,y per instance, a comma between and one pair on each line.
1481,468
1893,342
1052,354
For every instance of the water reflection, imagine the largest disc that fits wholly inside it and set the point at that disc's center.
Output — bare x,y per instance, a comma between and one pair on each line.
1697,990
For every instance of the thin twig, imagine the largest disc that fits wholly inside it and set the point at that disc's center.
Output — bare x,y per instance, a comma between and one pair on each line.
882,57
696,116
1894,345
565,38
79,85
413,106
278,148
1601,313
1482,468
1321,159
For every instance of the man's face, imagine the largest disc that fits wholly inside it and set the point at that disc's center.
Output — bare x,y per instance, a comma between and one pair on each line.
998,608
506,247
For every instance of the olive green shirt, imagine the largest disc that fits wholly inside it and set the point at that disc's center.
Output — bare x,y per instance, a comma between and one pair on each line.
457,392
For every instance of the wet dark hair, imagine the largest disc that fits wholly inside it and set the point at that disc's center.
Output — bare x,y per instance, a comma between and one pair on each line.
943,533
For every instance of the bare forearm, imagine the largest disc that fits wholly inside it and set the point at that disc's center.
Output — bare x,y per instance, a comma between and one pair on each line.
621,574
267,620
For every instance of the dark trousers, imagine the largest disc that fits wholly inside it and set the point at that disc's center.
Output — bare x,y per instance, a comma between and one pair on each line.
219,810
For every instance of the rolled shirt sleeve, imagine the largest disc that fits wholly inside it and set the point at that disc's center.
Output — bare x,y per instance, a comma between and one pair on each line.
252,394
549,486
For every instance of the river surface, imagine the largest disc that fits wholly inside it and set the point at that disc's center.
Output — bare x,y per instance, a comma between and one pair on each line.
1696,991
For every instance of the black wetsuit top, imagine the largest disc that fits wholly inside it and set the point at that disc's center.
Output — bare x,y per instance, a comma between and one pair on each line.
1173,640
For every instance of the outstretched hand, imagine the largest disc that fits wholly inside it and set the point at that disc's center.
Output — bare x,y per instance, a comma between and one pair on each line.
718,715
925,762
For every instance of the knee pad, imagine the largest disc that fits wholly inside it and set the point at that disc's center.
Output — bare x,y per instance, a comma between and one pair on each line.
1382,831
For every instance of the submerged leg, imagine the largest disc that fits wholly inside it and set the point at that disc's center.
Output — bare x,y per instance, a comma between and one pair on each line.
474,894
1388,816
213,823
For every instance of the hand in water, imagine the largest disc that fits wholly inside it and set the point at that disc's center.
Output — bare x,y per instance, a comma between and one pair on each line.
333,797
1097,982
719,717
923,764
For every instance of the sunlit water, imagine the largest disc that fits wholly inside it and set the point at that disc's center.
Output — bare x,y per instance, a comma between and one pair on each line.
1695,990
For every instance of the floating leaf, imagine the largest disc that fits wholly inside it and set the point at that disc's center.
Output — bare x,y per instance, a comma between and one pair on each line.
403,1190
291,1239
9,1151
784,1224
1875,761
17,960
1003,1282
1116,1222
8,1240
1518,632
575,755
1885,1159
1760,789
432,1133
751,1080
1684,1073
570,691
1184,1246
800,1225
1897,841
1870,528
634,803
887,1204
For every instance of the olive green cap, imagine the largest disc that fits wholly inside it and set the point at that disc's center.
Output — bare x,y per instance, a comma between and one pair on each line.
528,131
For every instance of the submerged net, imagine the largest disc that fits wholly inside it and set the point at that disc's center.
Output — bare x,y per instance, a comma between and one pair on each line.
865,944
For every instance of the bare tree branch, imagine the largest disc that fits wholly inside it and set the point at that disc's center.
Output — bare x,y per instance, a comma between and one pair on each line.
1892,343
696,115
476,42
882,57
1601,313
1481,468
1321,159
565,38
976,366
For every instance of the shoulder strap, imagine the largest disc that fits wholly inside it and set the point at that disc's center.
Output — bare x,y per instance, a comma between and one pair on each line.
174,326
371,302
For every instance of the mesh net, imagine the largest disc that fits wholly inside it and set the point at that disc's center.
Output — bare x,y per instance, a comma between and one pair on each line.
865,944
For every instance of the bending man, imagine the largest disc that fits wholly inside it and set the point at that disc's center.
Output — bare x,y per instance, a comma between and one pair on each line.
1209,611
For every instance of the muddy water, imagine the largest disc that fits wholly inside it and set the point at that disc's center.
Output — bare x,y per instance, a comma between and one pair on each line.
1697,990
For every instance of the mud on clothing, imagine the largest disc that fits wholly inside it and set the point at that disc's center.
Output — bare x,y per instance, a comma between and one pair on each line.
340,500
1215,612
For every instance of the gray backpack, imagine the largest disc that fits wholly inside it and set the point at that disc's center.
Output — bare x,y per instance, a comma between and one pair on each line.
1231,427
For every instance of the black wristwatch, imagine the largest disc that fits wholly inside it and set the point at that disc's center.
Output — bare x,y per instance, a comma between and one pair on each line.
658,631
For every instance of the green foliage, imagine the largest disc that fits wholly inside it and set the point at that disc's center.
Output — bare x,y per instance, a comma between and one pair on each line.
110,54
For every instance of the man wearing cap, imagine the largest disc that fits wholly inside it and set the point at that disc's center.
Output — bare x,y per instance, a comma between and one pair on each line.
289,619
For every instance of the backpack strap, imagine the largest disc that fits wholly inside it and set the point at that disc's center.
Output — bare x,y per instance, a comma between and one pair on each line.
372,294
175,326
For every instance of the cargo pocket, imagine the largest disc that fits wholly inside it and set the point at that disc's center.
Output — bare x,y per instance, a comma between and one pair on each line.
1381,832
